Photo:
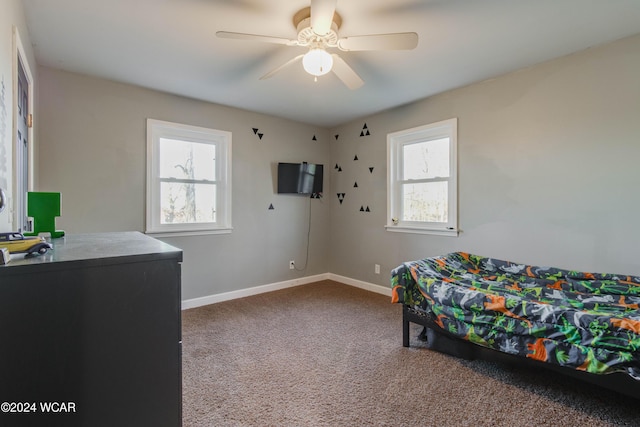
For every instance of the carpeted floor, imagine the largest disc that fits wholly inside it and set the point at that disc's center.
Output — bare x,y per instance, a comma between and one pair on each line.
327,354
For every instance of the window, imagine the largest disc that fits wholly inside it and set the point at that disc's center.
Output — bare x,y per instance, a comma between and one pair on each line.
188,179
422,170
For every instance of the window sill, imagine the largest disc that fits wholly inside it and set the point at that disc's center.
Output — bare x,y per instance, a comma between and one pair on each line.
421,230
183,233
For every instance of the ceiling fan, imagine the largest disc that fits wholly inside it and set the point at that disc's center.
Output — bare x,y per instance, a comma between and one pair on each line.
317,28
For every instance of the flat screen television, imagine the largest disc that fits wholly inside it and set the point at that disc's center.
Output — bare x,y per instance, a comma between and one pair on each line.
300,178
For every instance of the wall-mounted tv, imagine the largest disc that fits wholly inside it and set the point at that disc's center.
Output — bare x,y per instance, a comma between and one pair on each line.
300,178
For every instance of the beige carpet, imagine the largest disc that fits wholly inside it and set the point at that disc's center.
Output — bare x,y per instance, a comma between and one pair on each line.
328,354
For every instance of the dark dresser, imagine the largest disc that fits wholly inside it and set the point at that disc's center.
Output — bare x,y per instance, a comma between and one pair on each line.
90,334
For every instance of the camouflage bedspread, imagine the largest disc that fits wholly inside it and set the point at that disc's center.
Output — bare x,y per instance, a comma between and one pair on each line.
586,321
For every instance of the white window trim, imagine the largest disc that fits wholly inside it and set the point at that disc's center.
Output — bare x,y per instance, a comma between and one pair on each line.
395,142
157,129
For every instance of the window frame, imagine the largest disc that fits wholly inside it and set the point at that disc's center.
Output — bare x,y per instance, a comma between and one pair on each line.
157,129
395,143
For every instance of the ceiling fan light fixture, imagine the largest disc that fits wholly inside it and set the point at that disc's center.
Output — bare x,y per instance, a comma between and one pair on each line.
317,62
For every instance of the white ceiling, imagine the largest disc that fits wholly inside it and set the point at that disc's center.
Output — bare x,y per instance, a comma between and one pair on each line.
170,45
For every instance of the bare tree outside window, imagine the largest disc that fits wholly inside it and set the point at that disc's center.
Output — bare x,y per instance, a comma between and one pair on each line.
189,209
425,189
188,187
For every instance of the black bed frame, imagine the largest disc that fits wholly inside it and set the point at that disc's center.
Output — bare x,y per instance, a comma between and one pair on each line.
448,343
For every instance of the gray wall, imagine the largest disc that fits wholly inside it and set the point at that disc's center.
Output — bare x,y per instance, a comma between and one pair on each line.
548,170
547,173
92,149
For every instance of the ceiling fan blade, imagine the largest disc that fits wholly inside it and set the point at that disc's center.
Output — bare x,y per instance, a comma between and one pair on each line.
394,41
345,73
322,15
280,68
256,38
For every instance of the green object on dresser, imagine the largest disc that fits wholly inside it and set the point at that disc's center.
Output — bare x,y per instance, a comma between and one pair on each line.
44,208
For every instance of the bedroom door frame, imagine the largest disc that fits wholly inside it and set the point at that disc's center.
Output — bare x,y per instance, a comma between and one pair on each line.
23,156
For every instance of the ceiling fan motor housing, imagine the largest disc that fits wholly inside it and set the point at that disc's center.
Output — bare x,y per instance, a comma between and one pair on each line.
306,36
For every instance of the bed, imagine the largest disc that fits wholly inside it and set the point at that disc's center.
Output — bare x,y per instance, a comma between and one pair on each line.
585,325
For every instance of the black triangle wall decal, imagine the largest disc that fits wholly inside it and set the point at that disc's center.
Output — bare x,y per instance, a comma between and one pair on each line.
371,169
271,207
255,130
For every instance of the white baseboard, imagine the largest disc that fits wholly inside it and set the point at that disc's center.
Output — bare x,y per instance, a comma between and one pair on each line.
360,284
226,296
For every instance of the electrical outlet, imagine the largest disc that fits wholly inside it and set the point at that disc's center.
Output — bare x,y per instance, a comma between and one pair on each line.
377,268
292,265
